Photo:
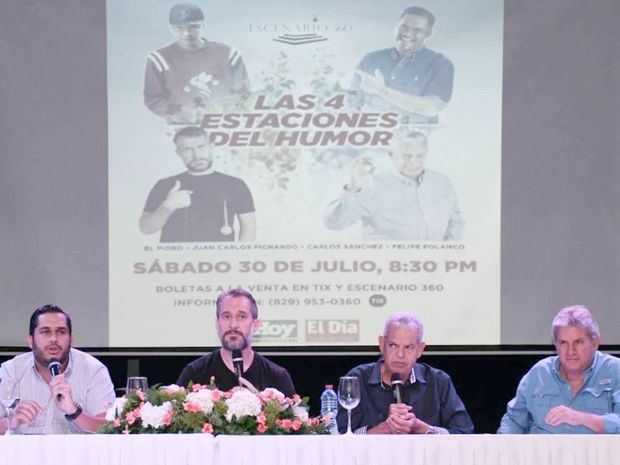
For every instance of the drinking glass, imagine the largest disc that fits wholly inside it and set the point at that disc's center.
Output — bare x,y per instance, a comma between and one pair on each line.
349,396
135,383
9,400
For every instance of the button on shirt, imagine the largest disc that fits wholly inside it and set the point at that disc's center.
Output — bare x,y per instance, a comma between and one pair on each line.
429,391
393,207
90,382
543,388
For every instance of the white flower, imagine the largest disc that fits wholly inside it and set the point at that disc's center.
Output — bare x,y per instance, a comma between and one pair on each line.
202,398
154,416
300,412
242,403
172,389
116,409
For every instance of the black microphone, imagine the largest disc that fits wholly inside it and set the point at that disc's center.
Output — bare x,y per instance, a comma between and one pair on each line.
54,367
397,385
237,359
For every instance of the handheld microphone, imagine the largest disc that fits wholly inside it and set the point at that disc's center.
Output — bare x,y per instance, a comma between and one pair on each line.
237,359
54,367
397,385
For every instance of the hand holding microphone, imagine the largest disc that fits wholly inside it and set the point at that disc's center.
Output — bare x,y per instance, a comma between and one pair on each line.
61,391
397,384
237,359
54,367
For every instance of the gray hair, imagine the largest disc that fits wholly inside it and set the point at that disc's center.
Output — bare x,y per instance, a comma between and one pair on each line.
575,315
404,319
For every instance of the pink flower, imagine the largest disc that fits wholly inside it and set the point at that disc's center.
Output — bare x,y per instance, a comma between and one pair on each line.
207,428
296,425
216,395
130,417
296,399
286,424
141,395
271,394
197,387
168,417
261,418
192,407
117,423
261,428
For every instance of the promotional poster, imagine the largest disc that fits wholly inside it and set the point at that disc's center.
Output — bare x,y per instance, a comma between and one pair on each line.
338,160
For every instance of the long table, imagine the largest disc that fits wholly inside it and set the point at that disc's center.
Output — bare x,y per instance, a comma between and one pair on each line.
204,449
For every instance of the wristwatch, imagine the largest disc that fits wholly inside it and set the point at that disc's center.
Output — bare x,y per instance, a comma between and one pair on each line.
74,415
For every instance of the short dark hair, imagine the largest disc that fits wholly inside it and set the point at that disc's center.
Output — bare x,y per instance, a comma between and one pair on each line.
189,131
419,11
237,292
34,318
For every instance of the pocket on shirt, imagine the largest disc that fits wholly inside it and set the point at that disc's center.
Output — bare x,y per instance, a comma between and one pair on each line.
542,401
597,399
545,397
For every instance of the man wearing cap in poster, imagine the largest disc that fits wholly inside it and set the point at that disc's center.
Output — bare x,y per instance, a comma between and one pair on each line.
193,76
408,77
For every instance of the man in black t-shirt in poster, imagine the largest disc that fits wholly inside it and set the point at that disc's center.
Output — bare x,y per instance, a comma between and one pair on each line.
236,322
200,204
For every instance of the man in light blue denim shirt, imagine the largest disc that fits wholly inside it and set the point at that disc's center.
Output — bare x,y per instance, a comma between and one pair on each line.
577,391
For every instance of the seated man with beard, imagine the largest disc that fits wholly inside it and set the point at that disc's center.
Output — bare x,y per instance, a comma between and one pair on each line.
236,322
73,401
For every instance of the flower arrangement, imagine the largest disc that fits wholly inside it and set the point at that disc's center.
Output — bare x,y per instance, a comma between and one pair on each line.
206,409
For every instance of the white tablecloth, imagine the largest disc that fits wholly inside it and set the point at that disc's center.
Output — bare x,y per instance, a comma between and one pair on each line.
309,450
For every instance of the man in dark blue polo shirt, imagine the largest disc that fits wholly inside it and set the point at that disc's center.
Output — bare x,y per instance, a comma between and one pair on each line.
407,78
429,403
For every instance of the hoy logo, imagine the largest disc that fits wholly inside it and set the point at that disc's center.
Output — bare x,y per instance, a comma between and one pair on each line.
332,330
276,330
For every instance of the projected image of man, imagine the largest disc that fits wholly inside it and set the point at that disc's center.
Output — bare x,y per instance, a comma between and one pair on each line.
575,391
236,322
407,202
200,204
74,400
407,78
193,76
428,402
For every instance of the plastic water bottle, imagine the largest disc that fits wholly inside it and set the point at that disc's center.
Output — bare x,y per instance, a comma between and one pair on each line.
329,407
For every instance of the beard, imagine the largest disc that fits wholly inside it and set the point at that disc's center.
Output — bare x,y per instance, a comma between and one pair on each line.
199,166
238,343
41,359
